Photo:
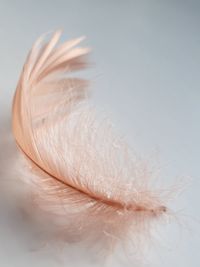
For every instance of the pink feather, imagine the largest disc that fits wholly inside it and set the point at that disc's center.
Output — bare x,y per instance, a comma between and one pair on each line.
78,173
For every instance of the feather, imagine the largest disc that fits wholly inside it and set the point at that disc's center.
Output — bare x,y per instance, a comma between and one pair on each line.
77,171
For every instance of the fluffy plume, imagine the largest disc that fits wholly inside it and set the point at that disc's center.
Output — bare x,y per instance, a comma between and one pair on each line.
77,171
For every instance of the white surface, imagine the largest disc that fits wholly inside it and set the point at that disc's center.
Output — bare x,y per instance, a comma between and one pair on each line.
147,56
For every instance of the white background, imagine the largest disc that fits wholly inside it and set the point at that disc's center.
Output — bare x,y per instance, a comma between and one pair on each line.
146,76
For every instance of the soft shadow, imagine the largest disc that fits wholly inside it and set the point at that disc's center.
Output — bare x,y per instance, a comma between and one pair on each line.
8,152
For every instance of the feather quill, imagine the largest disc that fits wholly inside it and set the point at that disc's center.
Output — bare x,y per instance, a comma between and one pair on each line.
77,170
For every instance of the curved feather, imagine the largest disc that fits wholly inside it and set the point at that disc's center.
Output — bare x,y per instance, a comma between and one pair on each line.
78,169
